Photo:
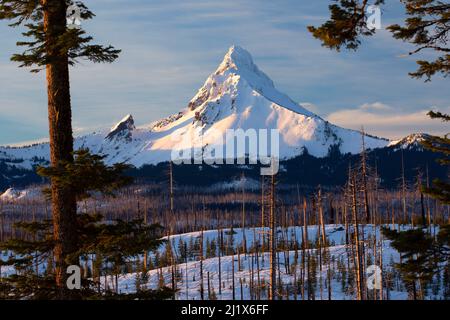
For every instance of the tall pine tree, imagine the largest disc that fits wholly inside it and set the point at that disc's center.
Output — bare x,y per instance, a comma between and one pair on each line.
440,189
52,46
109,245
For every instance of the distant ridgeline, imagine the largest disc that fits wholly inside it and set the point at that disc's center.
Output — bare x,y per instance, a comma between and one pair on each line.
12,176
305,170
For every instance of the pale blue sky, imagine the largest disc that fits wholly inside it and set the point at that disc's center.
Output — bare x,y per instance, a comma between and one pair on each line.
170,47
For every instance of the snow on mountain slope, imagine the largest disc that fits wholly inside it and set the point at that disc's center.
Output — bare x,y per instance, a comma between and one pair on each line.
13,194
238,95
409,142
122,130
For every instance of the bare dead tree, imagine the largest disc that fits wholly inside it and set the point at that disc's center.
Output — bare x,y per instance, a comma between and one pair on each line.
403,187
304,247
422,201
202,290
272,241
364,176
358,262
232,276
171,195
244,244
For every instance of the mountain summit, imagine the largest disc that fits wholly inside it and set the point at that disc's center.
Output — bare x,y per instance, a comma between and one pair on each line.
238,72
238,95
123,129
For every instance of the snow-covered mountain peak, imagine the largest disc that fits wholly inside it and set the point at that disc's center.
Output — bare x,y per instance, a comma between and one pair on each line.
238,95
127,122
237,58
239,78
239,61
411,141
123,129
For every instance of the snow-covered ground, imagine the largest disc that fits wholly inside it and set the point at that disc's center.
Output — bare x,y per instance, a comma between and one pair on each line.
190,282
189,276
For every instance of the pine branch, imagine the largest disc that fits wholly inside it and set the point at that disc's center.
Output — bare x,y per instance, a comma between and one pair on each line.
346,26
40,51
427,27
438,115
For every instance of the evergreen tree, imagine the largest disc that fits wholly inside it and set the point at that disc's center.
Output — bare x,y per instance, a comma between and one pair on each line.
440,189
424,254
114,244
54,47
446,282
426,26
417,252
182,249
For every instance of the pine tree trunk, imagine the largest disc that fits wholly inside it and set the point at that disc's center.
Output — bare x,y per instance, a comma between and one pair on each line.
258,273
422,203
239,259
232,275
346,225
262,218
202,290
414,290
209,286
244,239
364,179
187,276
403,189
145,260
304,247
272,239
321,218
171,186
64,205
252,273
428,203
381,264
220,261
357,244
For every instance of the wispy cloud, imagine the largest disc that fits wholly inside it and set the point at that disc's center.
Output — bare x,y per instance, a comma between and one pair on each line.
386,121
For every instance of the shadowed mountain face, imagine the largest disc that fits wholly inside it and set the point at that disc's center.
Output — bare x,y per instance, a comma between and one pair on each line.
122,130
309,171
